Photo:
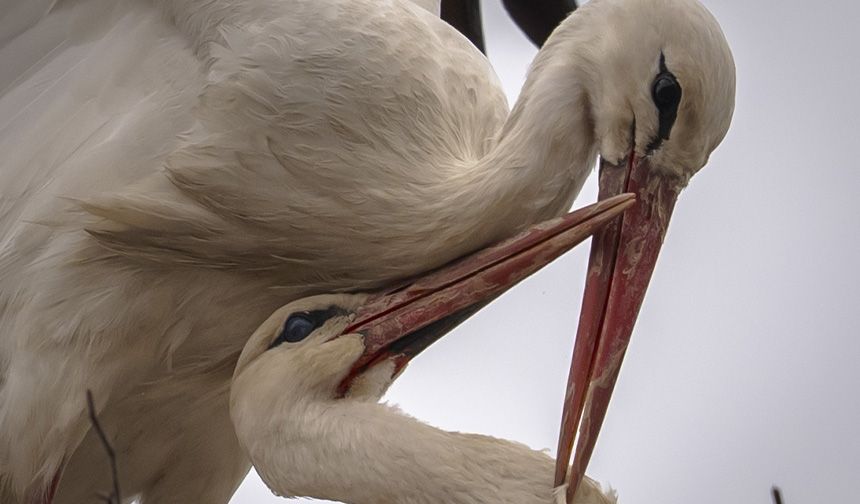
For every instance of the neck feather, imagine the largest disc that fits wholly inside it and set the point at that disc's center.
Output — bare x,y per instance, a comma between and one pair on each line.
536,169
367,453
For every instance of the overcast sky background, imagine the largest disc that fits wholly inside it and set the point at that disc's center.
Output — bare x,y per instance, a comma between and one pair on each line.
745,362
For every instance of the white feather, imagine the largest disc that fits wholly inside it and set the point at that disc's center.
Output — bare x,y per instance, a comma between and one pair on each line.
303,441
174,170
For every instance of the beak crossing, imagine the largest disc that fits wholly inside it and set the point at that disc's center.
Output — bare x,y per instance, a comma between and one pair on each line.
400,323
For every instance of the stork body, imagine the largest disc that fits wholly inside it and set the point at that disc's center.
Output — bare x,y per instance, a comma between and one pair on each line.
306,441
172,173
175,170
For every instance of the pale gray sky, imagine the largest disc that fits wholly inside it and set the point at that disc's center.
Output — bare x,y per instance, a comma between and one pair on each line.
743,370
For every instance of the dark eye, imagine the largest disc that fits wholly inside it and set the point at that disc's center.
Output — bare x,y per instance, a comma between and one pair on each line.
667,91
298,327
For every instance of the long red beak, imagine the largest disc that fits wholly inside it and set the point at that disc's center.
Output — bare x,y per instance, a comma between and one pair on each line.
400,323
623,255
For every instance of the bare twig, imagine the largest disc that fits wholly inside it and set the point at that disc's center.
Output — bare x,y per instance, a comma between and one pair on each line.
114,497
777,494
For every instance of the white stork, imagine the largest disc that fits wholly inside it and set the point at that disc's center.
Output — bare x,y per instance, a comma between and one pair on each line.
174,170
304,395
305,440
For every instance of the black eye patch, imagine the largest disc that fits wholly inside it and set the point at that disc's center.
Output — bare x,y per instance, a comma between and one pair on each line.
300,325
666,92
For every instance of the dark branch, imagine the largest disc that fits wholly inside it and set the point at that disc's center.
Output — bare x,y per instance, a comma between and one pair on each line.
777,494
114,497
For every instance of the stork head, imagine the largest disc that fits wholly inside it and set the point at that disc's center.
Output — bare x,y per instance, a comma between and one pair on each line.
317,350
300,344
383,330
658,79
663,83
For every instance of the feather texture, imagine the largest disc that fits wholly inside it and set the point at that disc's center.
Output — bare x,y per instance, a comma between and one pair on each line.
306,441
173,170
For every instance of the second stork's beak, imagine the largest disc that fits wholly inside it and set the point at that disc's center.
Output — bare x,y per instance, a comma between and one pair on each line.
623,256
401,322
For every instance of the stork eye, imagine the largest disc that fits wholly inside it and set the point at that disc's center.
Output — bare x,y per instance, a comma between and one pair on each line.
666,93
298,327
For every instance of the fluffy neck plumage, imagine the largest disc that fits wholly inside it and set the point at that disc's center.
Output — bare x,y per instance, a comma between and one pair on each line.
537,165
367,453
546,148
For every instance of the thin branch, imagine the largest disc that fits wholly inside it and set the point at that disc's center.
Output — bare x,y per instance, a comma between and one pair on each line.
777,494
113,498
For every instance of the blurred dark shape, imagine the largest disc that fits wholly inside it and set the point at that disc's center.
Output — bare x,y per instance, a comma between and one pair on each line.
536,18
777,494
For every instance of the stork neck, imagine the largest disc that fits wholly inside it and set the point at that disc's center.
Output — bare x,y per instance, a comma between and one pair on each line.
367,453
535,170
544,152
